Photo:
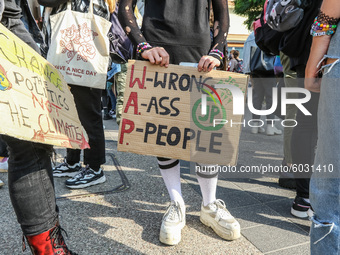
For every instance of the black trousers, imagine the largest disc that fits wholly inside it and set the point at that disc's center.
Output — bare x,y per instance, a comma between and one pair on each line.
88,104
263,90
304,138
3,149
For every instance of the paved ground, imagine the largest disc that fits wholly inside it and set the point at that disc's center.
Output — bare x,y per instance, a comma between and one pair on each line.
123,215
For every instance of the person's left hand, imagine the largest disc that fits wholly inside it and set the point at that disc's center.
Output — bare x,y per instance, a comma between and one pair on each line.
208,63
318,50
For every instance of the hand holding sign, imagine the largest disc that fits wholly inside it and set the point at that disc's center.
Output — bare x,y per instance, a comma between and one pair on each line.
208,63
157,55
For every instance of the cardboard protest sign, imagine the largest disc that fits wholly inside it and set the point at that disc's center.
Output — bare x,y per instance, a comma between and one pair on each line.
35,102
178,112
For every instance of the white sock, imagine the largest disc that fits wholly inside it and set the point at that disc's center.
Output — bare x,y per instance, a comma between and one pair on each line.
208,188
172,180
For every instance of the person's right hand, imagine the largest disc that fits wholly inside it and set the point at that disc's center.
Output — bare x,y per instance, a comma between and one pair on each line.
157,55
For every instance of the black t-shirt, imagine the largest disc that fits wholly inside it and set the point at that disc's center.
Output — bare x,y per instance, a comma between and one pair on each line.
177,22
181,27
12,10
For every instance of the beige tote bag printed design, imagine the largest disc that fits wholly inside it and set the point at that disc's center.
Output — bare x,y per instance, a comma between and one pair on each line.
80,47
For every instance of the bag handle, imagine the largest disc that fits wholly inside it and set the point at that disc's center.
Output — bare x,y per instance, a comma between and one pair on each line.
90,6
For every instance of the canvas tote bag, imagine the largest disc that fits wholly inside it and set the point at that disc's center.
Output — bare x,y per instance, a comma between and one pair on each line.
80,47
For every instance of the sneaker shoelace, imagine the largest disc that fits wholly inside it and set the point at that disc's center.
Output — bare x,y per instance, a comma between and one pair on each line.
221,210
173,213
84,171
63,164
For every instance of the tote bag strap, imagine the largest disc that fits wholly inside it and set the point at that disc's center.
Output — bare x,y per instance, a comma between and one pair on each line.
90,6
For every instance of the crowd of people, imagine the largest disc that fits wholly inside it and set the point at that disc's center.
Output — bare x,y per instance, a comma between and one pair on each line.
164,39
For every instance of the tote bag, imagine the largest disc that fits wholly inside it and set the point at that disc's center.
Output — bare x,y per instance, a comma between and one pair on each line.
80,47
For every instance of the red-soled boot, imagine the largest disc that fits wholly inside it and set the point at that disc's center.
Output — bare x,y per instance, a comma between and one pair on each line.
50,242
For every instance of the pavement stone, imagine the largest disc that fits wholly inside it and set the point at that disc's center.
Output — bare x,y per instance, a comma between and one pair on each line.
301,249
104,220
278,235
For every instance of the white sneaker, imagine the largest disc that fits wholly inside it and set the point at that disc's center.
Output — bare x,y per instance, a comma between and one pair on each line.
255,130
4,164
1,183
272,130
172,224
216,216
261,130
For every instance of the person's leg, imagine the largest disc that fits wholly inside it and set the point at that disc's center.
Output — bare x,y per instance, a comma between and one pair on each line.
30,181
88,104
3,149
269,83
70,166
208,186
3,158
213,211
325,181
286,179
120,80
31,190
73,156
105,103
290,80
174,217
170,171
304,138
258,96
113,102
31,185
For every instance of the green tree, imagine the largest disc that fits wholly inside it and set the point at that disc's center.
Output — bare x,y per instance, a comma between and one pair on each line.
250,9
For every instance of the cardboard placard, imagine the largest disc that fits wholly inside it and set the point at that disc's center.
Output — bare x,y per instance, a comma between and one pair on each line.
35,102
178,112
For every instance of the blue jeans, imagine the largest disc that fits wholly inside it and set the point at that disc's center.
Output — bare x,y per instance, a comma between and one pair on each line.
325,185
112,98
